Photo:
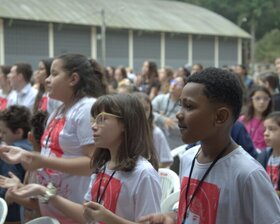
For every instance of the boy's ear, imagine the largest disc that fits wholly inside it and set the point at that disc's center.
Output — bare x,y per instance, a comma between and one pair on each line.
74,79
30,137
223,114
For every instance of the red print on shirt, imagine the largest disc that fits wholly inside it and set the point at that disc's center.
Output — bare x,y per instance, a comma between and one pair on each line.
3,103
203,209
50,139
273,173
111,195
43,104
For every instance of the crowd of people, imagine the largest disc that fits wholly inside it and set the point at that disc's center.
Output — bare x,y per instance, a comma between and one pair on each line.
83,144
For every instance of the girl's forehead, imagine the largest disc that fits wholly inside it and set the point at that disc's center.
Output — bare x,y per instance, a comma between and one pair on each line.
260,92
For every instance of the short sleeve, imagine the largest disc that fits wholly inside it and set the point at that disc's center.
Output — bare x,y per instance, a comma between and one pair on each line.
261,203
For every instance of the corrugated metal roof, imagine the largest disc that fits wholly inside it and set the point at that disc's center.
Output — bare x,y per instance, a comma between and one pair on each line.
150,15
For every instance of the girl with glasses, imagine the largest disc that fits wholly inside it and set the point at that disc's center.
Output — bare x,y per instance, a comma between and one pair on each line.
259,106
125,183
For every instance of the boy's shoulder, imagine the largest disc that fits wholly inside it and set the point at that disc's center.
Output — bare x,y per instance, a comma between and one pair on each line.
24,144
238,158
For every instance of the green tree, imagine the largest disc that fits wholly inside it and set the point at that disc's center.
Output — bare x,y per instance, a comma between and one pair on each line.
268,48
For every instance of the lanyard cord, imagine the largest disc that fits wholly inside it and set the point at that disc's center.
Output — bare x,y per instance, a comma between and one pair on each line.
99,197
202,179
166,112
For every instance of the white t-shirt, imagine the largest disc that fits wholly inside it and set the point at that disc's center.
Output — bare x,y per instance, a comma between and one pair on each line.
161,145
25,97
237,190
7,100
64,137
273,171
129,194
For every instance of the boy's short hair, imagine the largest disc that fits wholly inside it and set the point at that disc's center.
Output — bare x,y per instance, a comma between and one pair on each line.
38,123
275,116
16,117
220,86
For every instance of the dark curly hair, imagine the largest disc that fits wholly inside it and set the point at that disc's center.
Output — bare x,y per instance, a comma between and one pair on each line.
220,86
38,123
16,117
92,80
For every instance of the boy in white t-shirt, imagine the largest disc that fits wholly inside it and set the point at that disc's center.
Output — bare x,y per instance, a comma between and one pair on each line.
221,183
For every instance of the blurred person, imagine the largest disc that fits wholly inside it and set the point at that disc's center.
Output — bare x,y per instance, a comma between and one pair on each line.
241,70
147,81
196,68
165,108
120,76
42,100
19,78
165,76
7,95
161,145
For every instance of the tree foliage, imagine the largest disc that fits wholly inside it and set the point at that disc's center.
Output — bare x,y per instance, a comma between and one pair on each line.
268,48
263,14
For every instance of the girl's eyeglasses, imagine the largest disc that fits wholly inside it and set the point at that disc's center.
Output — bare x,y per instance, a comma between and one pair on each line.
259,98
100,118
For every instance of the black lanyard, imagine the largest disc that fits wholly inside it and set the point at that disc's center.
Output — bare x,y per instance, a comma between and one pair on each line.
99,197
166,112
202,179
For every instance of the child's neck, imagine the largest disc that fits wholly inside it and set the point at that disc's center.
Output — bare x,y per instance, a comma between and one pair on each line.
210,153
258,115
113,161
276,152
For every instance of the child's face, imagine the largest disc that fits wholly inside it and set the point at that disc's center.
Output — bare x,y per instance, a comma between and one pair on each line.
7,135
59,82
260,101
196,117
107,130
272,133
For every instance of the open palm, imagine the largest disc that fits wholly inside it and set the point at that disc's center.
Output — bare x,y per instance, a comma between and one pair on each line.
7,182
12,154
29,190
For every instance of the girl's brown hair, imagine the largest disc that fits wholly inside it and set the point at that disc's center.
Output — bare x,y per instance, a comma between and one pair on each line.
137,138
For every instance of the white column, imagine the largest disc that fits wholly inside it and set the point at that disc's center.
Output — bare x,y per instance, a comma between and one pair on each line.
162,49
130,49
2,50
216,52
239,51
51,40
190,47
93,43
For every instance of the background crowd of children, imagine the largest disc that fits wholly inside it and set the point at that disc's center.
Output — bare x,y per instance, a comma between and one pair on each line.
99,136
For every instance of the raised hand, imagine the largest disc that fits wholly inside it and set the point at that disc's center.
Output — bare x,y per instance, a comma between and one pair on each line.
29,190
12,154
12,181
94,212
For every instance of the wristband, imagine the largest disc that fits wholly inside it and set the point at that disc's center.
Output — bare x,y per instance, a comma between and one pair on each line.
49,193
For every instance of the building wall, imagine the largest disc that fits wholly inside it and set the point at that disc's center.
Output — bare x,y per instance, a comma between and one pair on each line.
203,50
227,51
29,42
25,42
176,50
71,39
146,46
116,48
